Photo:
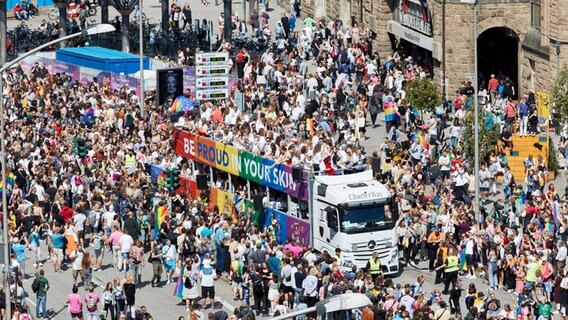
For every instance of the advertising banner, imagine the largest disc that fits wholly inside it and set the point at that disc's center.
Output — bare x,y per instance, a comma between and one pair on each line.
291,228
244,164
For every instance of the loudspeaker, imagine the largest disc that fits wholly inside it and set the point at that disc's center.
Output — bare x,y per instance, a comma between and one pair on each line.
257,201
297,174
202,182
376,164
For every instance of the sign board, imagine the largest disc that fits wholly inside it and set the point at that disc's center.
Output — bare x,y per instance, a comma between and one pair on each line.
241,163
211,94
410,35
206,58
169,84
212,70
416,15
240,100
212,82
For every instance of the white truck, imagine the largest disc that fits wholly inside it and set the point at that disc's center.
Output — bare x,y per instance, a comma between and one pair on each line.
355,213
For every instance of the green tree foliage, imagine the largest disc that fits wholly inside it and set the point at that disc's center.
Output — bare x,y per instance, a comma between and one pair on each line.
559,95
422,94
488,135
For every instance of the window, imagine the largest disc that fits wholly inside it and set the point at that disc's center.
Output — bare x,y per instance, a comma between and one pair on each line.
535,14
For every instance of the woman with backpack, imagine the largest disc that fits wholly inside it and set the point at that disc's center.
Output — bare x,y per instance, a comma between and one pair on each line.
190,291
118,295
108,302
98,244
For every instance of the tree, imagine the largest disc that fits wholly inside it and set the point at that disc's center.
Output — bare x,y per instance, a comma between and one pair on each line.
488,134
422,94
559,95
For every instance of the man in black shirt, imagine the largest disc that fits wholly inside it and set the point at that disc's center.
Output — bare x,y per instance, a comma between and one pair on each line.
506,139
131,225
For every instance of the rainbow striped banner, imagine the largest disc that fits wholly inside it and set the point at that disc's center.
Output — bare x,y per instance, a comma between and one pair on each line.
161,213
389,111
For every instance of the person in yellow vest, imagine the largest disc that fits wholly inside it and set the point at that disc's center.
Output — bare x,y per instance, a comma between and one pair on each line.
451,268
374,265
530,275
130,160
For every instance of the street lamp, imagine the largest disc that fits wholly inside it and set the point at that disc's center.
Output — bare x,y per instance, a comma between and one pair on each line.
141,49
346,301
101,28
476,114
475,110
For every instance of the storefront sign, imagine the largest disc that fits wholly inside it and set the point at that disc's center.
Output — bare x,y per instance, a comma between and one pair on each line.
410,35
240,163
416,14
416,23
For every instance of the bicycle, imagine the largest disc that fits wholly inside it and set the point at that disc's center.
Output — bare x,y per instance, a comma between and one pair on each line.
53,13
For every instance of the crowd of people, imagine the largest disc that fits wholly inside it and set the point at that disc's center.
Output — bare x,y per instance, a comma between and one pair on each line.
307,103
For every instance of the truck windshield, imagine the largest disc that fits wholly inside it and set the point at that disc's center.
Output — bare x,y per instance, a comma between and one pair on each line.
367,218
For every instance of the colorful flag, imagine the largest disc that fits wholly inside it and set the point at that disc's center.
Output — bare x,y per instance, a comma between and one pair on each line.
389,111
11,180
415,137
155,172
463,263
178,290
161,213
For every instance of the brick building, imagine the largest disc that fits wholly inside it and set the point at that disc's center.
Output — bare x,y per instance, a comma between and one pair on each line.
523,39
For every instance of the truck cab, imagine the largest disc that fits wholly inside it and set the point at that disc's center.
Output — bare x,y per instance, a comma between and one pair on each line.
356,214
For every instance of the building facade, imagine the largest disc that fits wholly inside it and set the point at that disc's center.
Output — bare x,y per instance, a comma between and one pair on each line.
525,40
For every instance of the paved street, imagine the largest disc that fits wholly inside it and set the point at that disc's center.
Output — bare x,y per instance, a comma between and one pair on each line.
163,305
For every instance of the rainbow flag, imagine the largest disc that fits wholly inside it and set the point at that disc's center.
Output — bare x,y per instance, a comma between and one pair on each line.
419,138
11,180
161,180
161,213
390,112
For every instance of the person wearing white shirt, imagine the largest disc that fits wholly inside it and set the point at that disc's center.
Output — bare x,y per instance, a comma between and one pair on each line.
461,178
444,163
126,242
77,257
206,114
371,68
207,275
79,219
108,218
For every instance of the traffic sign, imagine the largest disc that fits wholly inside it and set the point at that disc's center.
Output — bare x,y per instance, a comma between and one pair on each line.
212,70
211,94
206,58
212,82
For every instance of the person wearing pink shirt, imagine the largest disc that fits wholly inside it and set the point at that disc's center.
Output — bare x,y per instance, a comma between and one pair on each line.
294,248
114,241
92,304
75,305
